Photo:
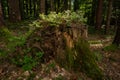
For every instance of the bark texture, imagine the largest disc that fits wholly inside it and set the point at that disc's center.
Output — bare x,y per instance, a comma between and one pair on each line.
14,10
117,36
42,6
109,12
1,15
99,14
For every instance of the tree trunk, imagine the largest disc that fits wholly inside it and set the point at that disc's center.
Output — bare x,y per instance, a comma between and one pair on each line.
93,12
99,14
58,6
52,5
109,12
14,10
65,7
117,36
76,5
42,6
69,4
1,16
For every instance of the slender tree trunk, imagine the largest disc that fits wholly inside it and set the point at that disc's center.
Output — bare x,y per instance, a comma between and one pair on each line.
65,7
58,6
27,3
109,12
117,36
42,6
93,12
1,16
99,14
52,5
69,4
14,10
34,8
76,5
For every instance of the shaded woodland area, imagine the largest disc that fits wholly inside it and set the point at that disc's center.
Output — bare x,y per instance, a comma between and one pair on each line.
59,40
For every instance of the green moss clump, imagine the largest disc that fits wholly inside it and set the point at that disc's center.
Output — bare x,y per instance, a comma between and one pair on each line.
87,60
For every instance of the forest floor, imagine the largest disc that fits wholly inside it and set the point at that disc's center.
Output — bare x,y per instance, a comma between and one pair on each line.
108,61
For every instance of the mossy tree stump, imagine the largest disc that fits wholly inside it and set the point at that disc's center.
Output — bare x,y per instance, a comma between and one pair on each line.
67,45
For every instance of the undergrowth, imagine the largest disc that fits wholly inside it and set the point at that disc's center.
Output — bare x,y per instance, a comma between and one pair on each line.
80,58
88,62
28,62
55,19
98,56
111,47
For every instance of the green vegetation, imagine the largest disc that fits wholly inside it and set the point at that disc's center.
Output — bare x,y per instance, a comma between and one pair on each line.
28,62
25,60
3,53
55,19
95,42
76,35
98,55
5,33
29,57
68,16
80,58
111,47
88,62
